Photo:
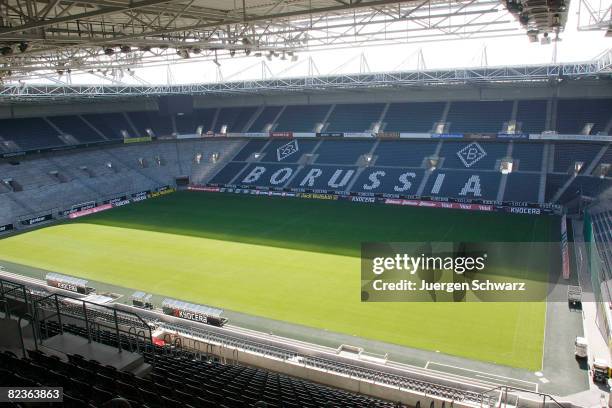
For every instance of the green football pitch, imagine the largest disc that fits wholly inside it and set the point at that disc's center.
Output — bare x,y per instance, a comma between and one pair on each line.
297,261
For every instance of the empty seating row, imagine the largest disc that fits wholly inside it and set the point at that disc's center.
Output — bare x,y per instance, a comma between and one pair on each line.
420,117
179,379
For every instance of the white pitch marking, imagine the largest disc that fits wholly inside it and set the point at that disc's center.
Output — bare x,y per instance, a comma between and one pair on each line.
487,374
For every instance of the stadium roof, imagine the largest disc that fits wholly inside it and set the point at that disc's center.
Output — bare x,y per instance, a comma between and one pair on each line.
40,37
599,68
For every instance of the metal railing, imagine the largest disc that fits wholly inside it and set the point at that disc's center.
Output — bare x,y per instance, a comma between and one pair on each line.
503,392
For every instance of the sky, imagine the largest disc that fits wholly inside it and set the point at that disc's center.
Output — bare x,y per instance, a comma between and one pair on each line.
574,46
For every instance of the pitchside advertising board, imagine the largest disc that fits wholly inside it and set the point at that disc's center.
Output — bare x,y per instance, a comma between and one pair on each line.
37,220
439,202
120,201
5,228
77,208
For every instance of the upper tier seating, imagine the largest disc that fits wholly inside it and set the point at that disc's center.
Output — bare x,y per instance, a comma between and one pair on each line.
480,116
75,126
566,154
30,133
265,118
204,118
573,114
301,118
354,117
187,123
531,115
110,124
159,124
234,118
413,117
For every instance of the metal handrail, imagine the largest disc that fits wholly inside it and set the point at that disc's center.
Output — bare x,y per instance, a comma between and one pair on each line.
503,389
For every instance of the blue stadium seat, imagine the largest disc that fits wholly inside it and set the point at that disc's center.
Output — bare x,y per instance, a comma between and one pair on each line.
110,124
271,152
354,117
403,153
75,126
186,123
479,116
342,151
553,183
606,158
228,172
267,116
387,180
332,178
566,154
267,175
417,117
301,118
529,155
204,118
235,118
466,184
531,114
573,114
585,186
472,155
30,133
523,187
160,125
253,146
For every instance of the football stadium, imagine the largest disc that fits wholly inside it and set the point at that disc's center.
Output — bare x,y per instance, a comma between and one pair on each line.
306,203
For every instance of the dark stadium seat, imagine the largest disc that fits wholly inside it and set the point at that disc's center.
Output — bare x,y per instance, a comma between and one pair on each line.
573,114
522,187
472,155
531,116
235,119
418,117
358,117
566,154
528,155
342,152
479,116
301,118
177,380
266,117
404,153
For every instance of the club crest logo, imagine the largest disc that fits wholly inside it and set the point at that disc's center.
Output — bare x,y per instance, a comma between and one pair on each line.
287,150
471,154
